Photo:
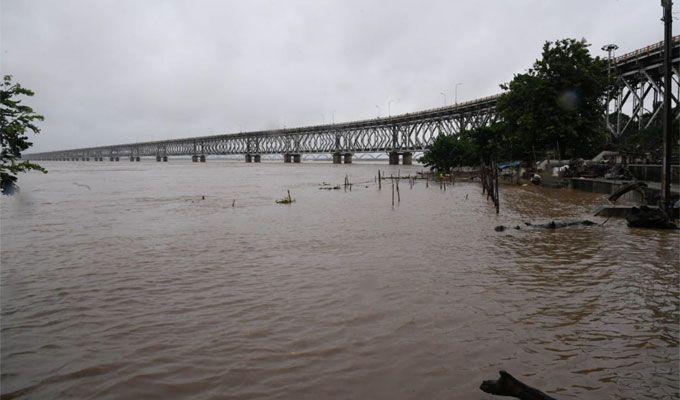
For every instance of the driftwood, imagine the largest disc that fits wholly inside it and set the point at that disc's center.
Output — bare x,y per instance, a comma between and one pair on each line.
507,385
549,225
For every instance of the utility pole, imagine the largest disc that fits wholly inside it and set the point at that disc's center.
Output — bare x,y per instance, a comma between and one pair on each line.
609,48
666,202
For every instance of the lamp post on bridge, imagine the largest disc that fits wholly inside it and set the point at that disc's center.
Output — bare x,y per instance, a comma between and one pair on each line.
389,110
455,93
444,94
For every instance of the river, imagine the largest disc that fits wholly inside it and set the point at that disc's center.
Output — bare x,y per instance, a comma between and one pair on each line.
119,281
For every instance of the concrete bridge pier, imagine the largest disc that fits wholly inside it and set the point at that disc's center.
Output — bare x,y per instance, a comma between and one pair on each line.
348,158
158,158
286,158
407,158
202,158
297,158
249,158
257,158
137,159
132,159
110,158
337,158
194,158
165,158
394,158
117,159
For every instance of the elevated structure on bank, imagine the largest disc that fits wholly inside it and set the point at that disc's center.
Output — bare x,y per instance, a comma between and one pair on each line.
635,99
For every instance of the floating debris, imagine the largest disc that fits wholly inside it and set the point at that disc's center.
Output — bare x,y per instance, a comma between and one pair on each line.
549,225
286,200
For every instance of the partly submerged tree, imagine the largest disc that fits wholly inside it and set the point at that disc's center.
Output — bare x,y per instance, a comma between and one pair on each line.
447,152
557,104
16,120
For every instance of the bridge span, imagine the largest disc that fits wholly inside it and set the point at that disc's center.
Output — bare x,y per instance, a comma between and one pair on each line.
634,102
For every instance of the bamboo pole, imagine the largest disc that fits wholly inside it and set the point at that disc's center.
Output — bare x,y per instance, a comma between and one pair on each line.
392,192
398,196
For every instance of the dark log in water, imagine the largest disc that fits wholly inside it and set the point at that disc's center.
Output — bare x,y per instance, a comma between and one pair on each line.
549,225
508,385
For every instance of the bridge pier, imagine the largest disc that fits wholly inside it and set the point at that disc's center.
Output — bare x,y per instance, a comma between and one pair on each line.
202,158
286,158
158,158
137,158
249,158
117,159
132,159
394,158
257,158
337,158
165,158
110,158
194,158
348,158
297,158
407,158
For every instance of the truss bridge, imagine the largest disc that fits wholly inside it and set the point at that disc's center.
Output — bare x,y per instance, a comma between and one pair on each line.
634,101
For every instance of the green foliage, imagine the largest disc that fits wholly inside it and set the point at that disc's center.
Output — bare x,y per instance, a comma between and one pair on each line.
489,143
16,120
448,152
557,104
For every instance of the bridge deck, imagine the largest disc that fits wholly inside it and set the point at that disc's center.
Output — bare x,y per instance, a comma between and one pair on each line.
635,71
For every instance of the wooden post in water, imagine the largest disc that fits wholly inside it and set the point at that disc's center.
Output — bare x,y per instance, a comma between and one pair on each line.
398,196
392,191
379,181
496,201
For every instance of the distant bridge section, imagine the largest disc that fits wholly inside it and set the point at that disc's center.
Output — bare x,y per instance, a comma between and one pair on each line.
633,101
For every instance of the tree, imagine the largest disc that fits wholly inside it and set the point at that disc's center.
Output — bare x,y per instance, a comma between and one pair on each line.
448,152
557,104
16,120
489,143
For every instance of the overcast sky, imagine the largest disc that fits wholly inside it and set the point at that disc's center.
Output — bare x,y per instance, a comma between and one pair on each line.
108,72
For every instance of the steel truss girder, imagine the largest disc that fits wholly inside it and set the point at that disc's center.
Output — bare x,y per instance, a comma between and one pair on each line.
636,74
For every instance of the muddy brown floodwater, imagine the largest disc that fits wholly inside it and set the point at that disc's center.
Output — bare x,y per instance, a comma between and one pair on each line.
119,282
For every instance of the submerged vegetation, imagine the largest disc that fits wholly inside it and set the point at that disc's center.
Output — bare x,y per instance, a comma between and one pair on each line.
286,200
